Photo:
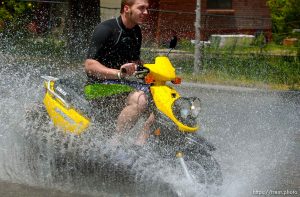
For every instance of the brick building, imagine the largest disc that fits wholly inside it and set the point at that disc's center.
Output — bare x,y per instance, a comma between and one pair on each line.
169,17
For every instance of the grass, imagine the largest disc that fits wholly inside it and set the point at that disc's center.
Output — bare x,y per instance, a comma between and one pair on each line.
218,78
250,70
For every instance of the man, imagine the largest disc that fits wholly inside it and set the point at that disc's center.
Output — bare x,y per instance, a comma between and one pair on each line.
115,47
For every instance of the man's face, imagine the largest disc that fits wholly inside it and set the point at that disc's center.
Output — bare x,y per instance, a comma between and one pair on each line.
138,11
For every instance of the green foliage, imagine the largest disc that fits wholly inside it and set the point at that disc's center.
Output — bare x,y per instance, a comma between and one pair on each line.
11,9
13,13
285,17
47,47
186,45
260,40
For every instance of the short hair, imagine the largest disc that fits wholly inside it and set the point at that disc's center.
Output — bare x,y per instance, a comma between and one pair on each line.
126,2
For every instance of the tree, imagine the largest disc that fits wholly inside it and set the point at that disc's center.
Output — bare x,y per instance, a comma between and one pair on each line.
285,15
11,9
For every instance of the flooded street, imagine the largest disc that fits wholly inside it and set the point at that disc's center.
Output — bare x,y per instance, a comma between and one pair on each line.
256,133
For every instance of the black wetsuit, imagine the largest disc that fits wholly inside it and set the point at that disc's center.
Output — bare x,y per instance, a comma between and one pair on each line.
113,44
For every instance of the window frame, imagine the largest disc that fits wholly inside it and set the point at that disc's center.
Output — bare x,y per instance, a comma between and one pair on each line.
218,7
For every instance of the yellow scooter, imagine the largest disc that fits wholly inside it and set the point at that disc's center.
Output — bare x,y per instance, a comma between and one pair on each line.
70,106
183,112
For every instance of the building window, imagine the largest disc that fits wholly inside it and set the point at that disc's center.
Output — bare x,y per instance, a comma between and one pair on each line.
219,4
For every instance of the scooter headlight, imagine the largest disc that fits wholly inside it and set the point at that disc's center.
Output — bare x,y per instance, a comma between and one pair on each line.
186,110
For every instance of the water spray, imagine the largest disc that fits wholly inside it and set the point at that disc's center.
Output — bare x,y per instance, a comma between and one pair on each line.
179,156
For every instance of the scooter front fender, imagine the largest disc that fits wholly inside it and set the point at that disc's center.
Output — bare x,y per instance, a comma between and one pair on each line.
164,97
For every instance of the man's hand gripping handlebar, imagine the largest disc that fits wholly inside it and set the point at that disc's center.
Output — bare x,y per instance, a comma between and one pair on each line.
129,69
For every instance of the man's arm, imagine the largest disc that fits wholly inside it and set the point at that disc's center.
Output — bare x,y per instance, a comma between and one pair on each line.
95,68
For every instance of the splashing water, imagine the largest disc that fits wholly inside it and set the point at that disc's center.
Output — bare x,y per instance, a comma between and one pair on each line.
256,137
33,152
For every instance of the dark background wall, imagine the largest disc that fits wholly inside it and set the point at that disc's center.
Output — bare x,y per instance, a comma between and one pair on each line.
83,17
177,17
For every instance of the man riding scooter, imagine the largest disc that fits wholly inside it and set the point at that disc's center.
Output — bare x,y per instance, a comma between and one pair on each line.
113,55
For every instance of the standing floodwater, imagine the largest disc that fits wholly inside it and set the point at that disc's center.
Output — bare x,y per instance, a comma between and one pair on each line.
256,134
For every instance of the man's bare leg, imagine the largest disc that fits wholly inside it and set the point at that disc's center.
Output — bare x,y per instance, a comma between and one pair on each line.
136,104
142,137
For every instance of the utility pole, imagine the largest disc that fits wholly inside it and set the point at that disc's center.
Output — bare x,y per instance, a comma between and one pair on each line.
197,55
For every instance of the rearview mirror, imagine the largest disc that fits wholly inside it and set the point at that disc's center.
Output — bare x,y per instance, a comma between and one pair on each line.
173,42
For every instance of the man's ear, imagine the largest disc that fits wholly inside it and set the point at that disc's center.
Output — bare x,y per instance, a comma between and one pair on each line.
126,9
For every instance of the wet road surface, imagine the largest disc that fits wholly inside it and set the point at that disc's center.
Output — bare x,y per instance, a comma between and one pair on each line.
257,135
15,190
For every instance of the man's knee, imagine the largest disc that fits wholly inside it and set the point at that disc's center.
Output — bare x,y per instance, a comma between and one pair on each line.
139,99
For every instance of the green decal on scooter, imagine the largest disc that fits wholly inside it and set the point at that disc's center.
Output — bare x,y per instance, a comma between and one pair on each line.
94,91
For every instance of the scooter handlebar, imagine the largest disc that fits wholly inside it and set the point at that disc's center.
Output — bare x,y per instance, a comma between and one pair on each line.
140,72
138,68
